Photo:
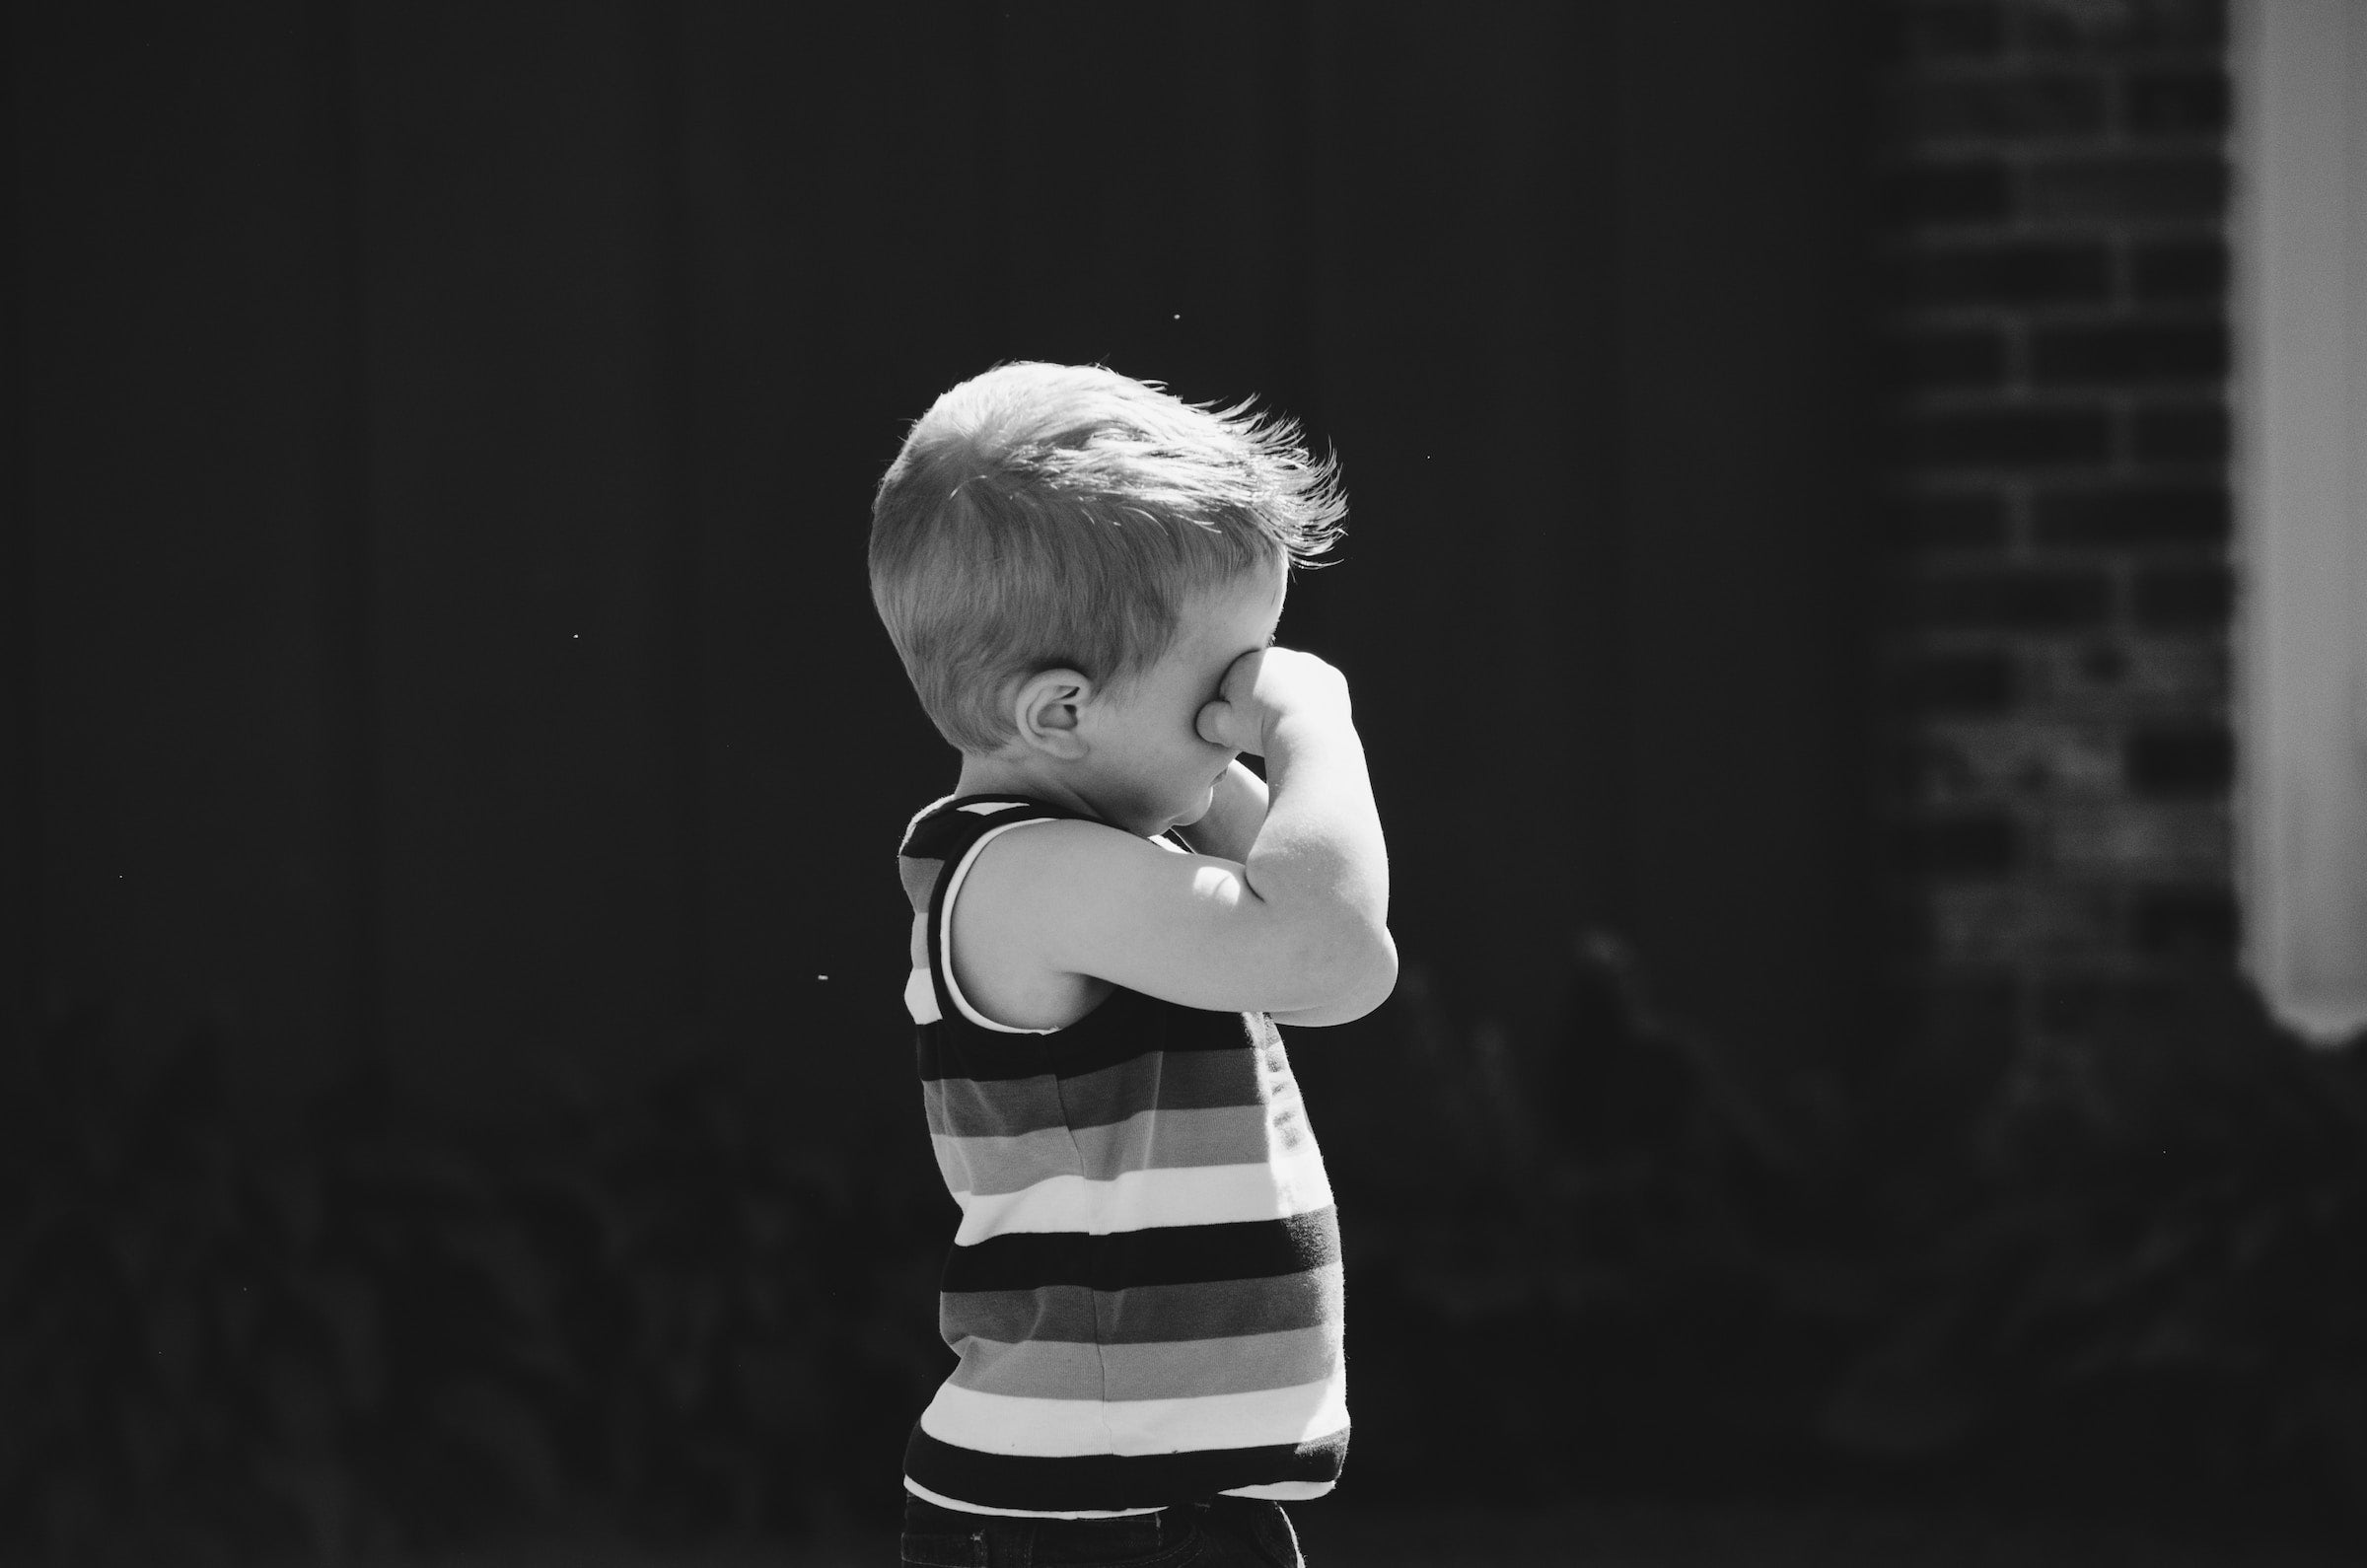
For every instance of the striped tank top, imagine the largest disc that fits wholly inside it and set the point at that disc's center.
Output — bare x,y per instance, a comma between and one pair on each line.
1144,1291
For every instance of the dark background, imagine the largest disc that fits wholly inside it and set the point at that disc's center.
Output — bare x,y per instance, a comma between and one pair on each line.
453,1077
451,768
438,632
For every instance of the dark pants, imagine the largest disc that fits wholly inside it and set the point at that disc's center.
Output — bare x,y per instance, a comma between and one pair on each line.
1222,1534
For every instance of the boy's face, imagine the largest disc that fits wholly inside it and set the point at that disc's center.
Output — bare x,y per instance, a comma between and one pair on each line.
1148,770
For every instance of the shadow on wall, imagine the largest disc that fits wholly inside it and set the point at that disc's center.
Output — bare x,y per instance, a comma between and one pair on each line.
2136,1280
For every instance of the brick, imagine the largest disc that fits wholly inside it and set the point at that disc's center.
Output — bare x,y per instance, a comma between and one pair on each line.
1963,28
2020,755
2006,274
2169,596
2179,270
2005,106
1992,922
2179,763
2175,102
2179,433
1958,682
1975,192
2010,438
1951,359
2131,353
2104,663
2116,27
2155,673
2132,516
2019,600
1936,773
2185,920
1963,844
1955,520
2130,186
2160,840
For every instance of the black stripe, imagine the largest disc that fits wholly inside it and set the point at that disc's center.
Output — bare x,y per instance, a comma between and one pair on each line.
1108,1481
979,1055
1166,1254
1110,1034
1222,1308
945,832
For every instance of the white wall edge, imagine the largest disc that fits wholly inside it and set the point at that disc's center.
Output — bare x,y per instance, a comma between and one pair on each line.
2298,239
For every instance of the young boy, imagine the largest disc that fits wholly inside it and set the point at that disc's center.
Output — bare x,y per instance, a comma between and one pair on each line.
1111,914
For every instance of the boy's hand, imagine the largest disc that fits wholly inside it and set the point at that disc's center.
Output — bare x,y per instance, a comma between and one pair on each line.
1289,917
1264,686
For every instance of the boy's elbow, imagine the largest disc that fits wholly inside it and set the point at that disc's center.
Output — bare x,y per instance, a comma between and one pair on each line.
1381,973
1375,985
1361,976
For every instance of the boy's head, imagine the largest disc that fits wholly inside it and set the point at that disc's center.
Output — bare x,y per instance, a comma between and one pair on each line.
1046,517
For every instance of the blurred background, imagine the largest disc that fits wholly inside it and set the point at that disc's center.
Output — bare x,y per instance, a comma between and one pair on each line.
454,1087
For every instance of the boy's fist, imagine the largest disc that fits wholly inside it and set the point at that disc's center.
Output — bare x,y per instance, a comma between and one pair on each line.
1260,689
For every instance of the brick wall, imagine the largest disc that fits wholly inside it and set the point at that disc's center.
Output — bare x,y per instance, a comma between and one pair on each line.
2055,325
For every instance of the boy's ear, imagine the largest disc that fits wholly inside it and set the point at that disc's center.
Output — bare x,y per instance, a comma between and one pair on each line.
1046,711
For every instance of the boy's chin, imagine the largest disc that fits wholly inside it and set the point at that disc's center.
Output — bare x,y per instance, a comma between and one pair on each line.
1150,821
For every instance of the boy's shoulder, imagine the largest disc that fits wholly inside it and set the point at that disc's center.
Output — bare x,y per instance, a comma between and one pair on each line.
1034,911
1033,867
1040,914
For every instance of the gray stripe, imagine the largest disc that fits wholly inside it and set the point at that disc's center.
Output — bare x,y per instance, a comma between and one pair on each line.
1172,1370
1004,1107
1156,1140
1056,1312
994,1165
994,1108
1167,1080
1169,1139
1147,1314
1242,1364
919,877
1036,1370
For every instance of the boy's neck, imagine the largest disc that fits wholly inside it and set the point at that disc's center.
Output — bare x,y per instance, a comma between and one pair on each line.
999,775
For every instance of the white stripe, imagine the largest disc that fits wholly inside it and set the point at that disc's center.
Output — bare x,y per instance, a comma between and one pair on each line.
927,1496
1142,1200
1282,1491
1002,1423
1148,1140
920,997
944,935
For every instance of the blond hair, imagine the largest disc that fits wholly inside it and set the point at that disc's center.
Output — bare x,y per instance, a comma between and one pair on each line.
1046,517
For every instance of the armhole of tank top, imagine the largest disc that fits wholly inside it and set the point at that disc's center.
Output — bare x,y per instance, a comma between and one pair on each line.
945,930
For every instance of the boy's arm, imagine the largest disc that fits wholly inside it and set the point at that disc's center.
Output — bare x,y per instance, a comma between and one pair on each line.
1228,832
1234,817
1320,844
1298,925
